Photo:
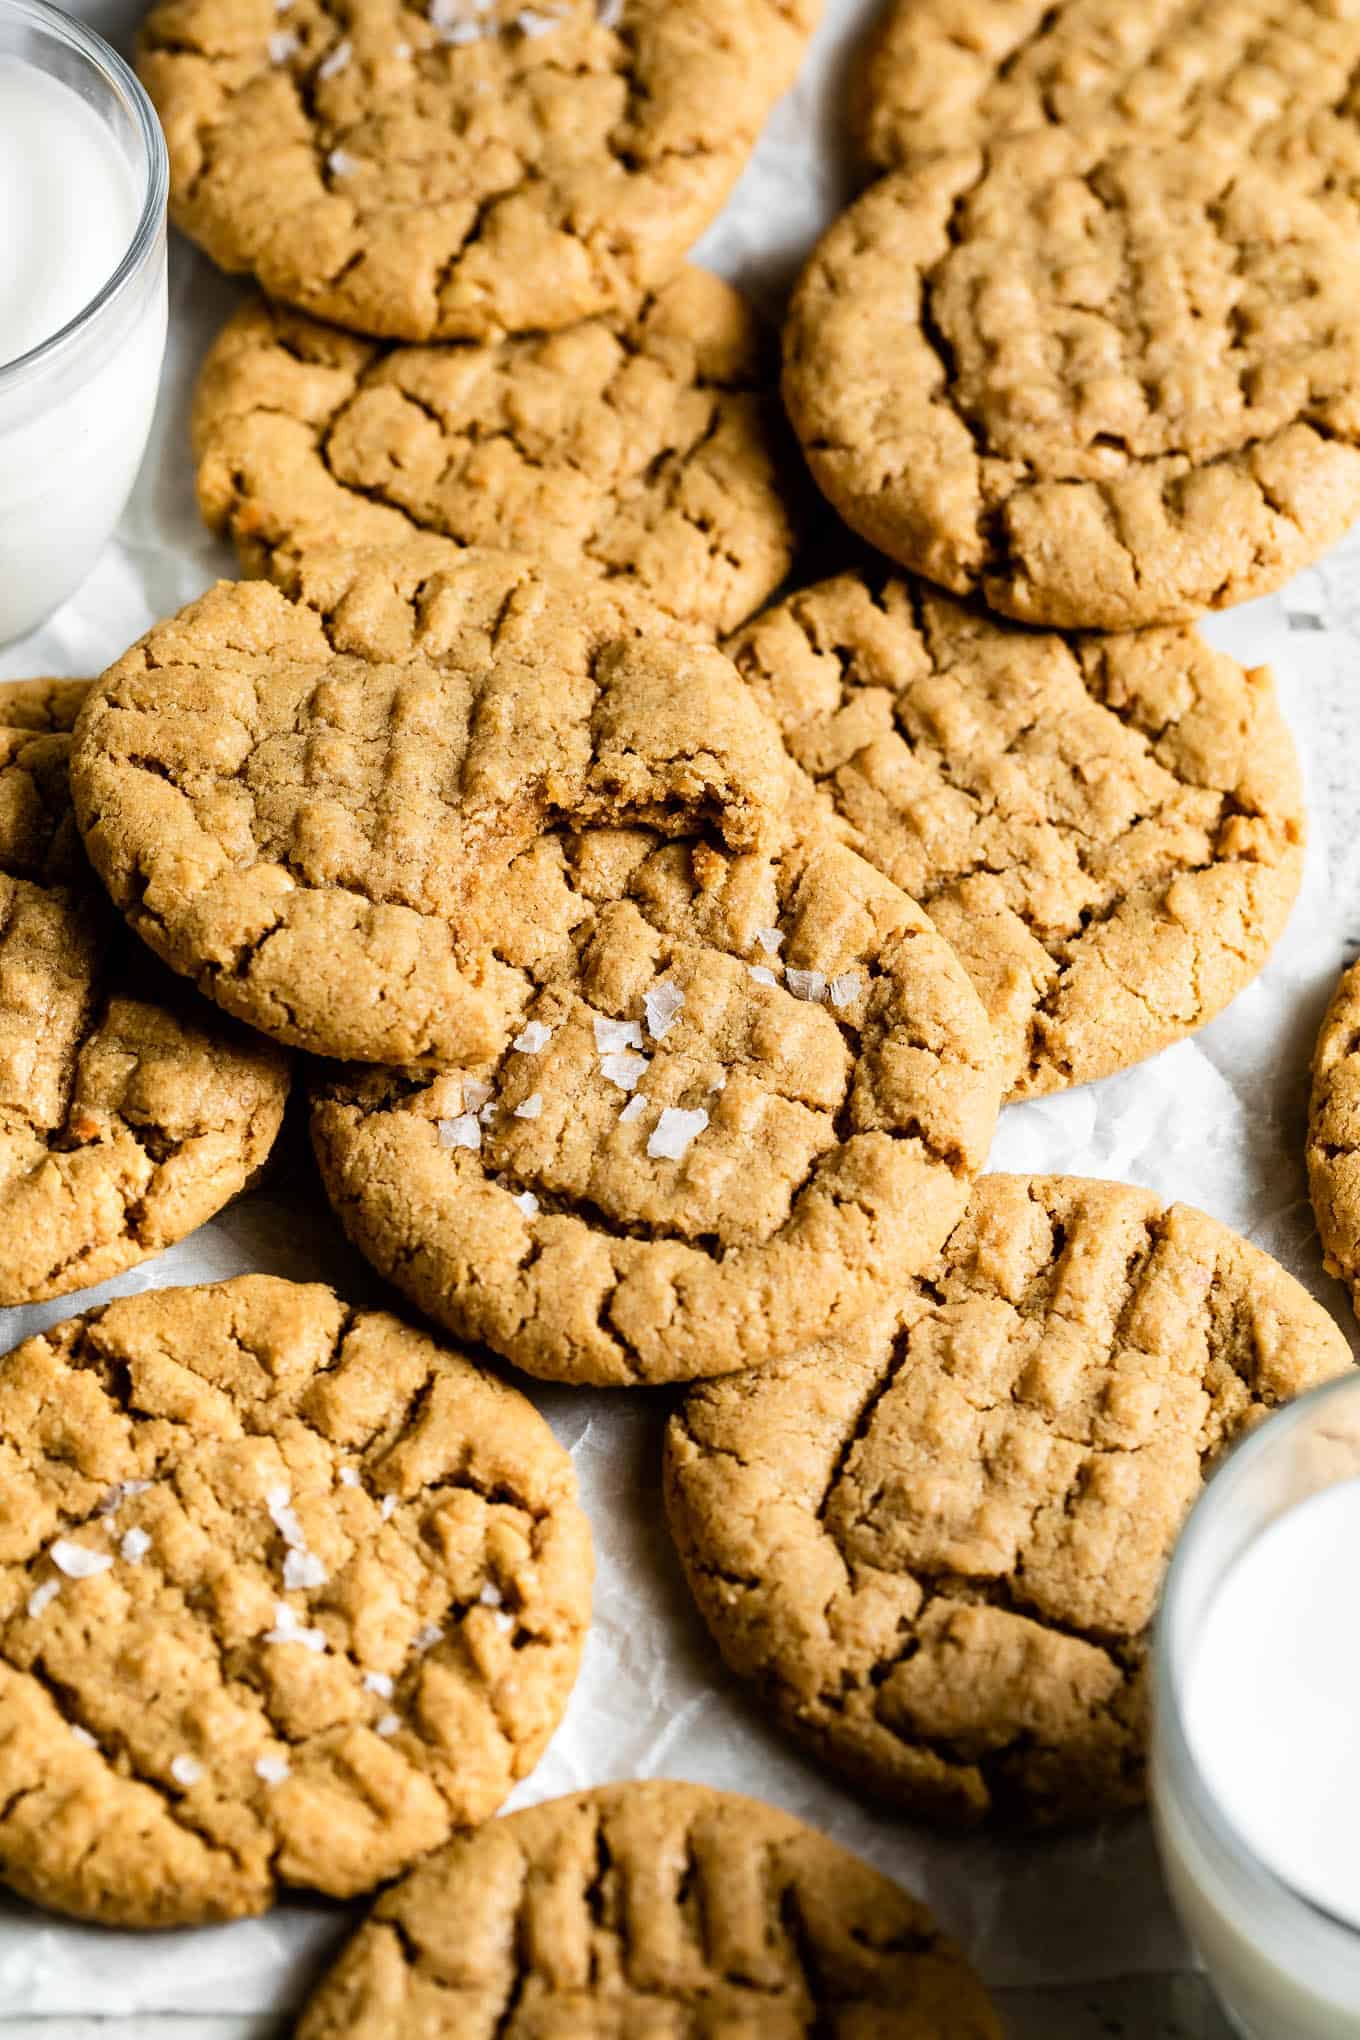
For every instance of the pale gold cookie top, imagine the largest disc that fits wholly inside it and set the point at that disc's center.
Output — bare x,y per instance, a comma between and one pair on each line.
1334,1133
654,1908
746,1095
293,800
935,1545
287,1594
1101,388
41,704
130,1112
1109,830
1271,79
465,169
650,449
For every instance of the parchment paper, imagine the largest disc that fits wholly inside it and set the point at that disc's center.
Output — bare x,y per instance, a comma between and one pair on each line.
1217,1121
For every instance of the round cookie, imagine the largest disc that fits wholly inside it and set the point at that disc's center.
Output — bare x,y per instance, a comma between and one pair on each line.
1273,80
654,1907
650,449
41,704
130,1113
749,1093
296,800
466,170
1108,830
1334,1133
1100,388
287,1594
936,1544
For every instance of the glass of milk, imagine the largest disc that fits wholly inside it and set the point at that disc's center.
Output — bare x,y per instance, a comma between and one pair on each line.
83,179
1256,1743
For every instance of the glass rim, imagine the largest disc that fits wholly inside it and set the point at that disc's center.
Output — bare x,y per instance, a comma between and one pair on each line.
120,76
1168,1663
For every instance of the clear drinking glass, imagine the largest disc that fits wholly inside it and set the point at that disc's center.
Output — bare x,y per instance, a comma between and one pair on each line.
75,411
1283,1968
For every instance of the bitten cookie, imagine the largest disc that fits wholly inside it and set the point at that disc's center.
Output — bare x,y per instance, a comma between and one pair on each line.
747,1094
1108,830
287,1594
129,1111
468,169
1334,1133
649,1908
650,449
294,801
1100,387
1273,80
936,1545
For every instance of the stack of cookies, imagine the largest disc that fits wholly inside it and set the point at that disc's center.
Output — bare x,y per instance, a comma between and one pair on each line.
662,930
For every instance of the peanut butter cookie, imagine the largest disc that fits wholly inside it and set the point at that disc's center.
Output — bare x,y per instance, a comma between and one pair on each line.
287,1594
1274,80
1334,1133
658,1908
294,800
746,1095
1108,830
41,704
1100,387
468,168
936,1544
650,449
129,1111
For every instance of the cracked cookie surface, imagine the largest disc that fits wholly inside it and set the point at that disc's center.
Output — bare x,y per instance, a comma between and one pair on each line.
1101,388
936,1545
287,1594
745,1093
1275,80
1334,1133
658,1908
466,170
296,800
651,449
130,1112
1108,830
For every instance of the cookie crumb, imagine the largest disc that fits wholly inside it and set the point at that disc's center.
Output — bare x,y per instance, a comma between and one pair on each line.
476,1094
675,1132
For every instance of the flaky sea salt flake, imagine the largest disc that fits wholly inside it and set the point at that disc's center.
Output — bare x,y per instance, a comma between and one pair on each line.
340,163
348,1476
634,1109
609,13
762,974
527,1203
531,1107
273,1770
288,1629
185,1771
463,1132
41,1596
475,1094
661,1005
82,1735
427,1637
533,1038
624,1068
337,61
278,1501
531,23
771,940
283,44
844,989
77,1561
612,1035
675,1131
491,1597
302,1570
806,984
135,1546
387,1508
389,1724
379,1683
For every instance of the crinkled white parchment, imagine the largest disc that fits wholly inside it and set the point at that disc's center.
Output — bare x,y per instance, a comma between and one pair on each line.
1217,1121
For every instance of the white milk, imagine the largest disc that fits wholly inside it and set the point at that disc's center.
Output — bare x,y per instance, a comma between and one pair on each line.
73,423
1270,1712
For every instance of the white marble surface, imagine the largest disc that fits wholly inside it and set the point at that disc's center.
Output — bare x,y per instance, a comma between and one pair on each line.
1076,1936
